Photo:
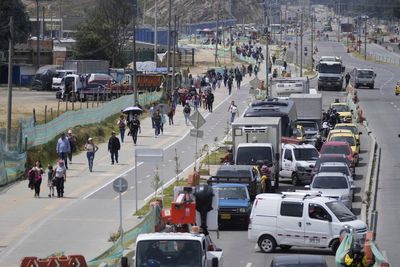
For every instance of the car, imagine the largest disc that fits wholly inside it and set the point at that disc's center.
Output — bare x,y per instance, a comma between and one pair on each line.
349,126
333,185
347,136
234,204
298,261
397,88
339,147
338,167
311,128
344,111
332,158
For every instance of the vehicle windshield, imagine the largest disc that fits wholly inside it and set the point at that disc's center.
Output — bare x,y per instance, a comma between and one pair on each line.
335,150
329,182
232,193
353,129
341,211
252,155
365,73
342,108
305,153
348,139
334,68
179,253
342,169
308,125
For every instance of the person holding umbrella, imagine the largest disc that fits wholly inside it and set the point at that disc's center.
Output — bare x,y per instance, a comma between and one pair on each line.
134,128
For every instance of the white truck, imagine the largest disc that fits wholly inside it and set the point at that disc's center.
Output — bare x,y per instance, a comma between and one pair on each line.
309,112
283,87
176,249
258,139
60,74
330,75
297,161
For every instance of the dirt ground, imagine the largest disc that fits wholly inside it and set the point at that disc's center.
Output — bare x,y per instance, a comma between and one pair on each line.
26,100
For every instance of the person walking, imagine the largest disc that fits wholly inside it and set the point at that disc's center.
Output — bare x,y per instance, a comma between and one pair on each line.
233,110
171,114
72,144
225,78
134,128
163,122
186,113
50,183
113,146
347,78
63,148
250,69
91,149
238,78
256,69
152,112
210,101
157,123
59,178
35,174
230,82
122,127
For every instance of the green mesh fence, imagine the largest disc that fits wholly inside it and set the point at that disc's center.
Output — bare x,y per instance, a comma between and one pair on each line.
113,255
43,133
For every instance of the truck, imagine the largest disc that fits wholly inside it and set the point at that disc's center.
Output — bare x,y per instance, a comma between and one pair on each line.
330,74
309,112
256,140
181,243
362,77
87,66
283,87
56,84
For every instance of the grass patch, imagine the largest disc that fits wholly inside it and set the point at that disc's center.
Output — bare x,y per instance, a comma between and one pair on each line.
309,73
168,197
214,158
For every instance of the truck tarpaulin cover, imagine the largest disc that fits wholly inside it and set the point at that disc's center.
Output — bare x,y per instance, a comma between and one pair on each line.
149,80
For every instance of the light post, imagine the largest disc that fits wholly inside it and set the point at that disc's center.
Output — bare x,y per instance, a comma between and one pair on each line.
37,35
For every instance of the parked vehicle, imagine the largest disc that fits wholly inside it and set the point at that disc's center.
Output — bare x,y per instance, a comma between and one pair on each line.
333,185
44,78
298,261
87,66
362,77
340,147
258,140
60,74
303,219
234,204
238,174
297,162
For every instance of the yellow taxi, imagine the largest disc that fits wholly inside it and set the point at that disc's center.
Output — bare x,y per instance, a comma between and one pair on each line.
345,136
299,132
397,88
349,126
344,111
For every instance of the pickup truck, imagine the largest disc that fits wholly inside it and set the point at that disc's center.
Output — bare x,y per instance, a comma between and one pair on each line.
234,204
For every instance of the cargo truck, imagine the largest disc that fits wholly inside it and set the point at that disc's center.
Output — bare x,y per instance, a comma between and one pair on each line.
283,87
256,140
330,74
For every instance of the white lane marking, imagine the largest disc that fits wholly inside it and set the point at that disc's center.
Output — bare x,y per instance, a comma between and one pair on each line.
395,106
148,175
110,181
249,264
139,182
391,103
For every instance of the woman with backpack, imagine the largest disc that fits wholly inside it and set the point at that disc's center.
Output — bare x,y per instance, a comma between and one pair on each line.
122,125
186,113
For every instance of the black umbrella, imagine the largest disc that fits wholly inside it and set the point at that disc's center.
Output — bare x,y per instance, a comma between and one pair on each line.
164,108
132,110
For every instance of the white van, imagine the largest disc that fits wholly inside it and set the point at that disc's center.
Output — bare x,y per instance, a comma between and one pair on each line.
301,218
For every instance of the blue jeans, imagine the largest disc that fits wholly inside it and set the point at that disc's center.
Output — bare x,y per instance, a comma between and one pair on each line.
90,157
64,157
122,133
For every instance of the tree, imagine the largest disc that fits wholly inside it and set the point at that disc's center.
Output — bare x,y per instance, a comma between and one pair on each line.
22,25
104,34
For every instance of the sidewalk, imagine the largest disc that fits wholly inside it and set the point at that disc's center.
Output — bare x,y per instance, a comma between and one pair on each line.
77,223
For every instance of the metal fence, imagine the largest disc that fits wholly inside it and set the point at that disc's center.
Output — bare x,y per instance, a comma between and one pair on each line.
13,156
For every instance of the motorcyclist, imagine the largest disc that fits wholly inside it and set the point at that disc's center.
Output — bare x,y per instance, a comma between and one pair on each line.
355,257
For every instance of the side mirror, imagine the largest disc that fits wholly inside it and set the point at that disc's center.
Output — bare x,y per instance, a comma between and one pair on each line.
307,186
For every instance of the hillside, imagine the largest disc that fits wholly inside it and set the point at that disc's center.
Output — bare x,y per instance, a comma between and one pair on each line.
189,11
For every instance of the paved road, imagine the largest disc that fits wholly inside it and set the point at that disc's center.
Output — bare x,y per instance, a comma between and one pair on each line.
381,108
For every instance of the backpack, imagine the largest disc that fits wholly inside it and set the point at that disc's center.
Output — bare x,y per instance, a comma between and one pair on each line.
121,124
186,109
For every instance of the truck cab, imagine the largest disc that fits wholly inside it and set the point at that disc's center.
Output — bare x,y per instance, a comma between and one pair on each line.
60,74
362,77
330,75
297,162
284,87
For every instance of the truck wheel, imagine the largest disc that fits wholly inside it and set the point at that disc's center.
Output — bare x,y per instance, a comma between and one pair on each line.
320,88
335,245
295,179
267,243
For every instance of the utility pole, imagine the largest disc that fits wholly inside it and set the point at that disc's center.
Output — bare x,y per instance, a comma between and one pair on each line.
155,31
338,22
60,34
266,31
169,42
230,43
43,23
134,76
301,44
216,35
347,34
312,41
38,35
175,36
297,40
10,74
365,38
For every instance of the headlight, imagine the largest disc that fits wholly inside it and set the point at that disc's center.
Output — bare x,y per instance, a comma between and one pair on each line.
242,210
345,198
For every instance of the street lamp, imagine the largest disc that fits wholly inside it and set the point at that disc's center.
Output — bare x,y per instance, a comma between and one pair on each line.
37,35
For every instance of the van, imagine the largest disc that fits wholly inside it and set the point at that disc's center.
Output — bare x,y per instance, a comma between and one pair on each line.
301,218
362,77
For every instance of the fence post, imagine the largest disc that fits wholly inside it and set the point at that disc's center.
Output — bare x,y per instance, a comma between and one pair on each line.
66,105
80,104
73,104
34,116
192,56
45,114
51,113
87,103
58,109
26,143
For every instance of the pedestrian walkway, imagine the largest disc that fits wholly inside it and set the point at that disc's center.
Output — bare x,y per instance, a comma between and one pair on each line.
77,224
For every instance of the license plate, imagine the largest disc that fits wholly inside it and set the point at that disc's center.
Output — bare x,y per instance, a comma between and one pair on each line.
329,83
225,216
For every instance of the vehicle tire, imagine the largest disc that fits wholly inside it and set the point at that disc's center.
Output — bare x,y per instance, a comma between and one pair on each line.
396,93
320,88
372,86
295,179
285,247
267,244
276,181
356,85
335,245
